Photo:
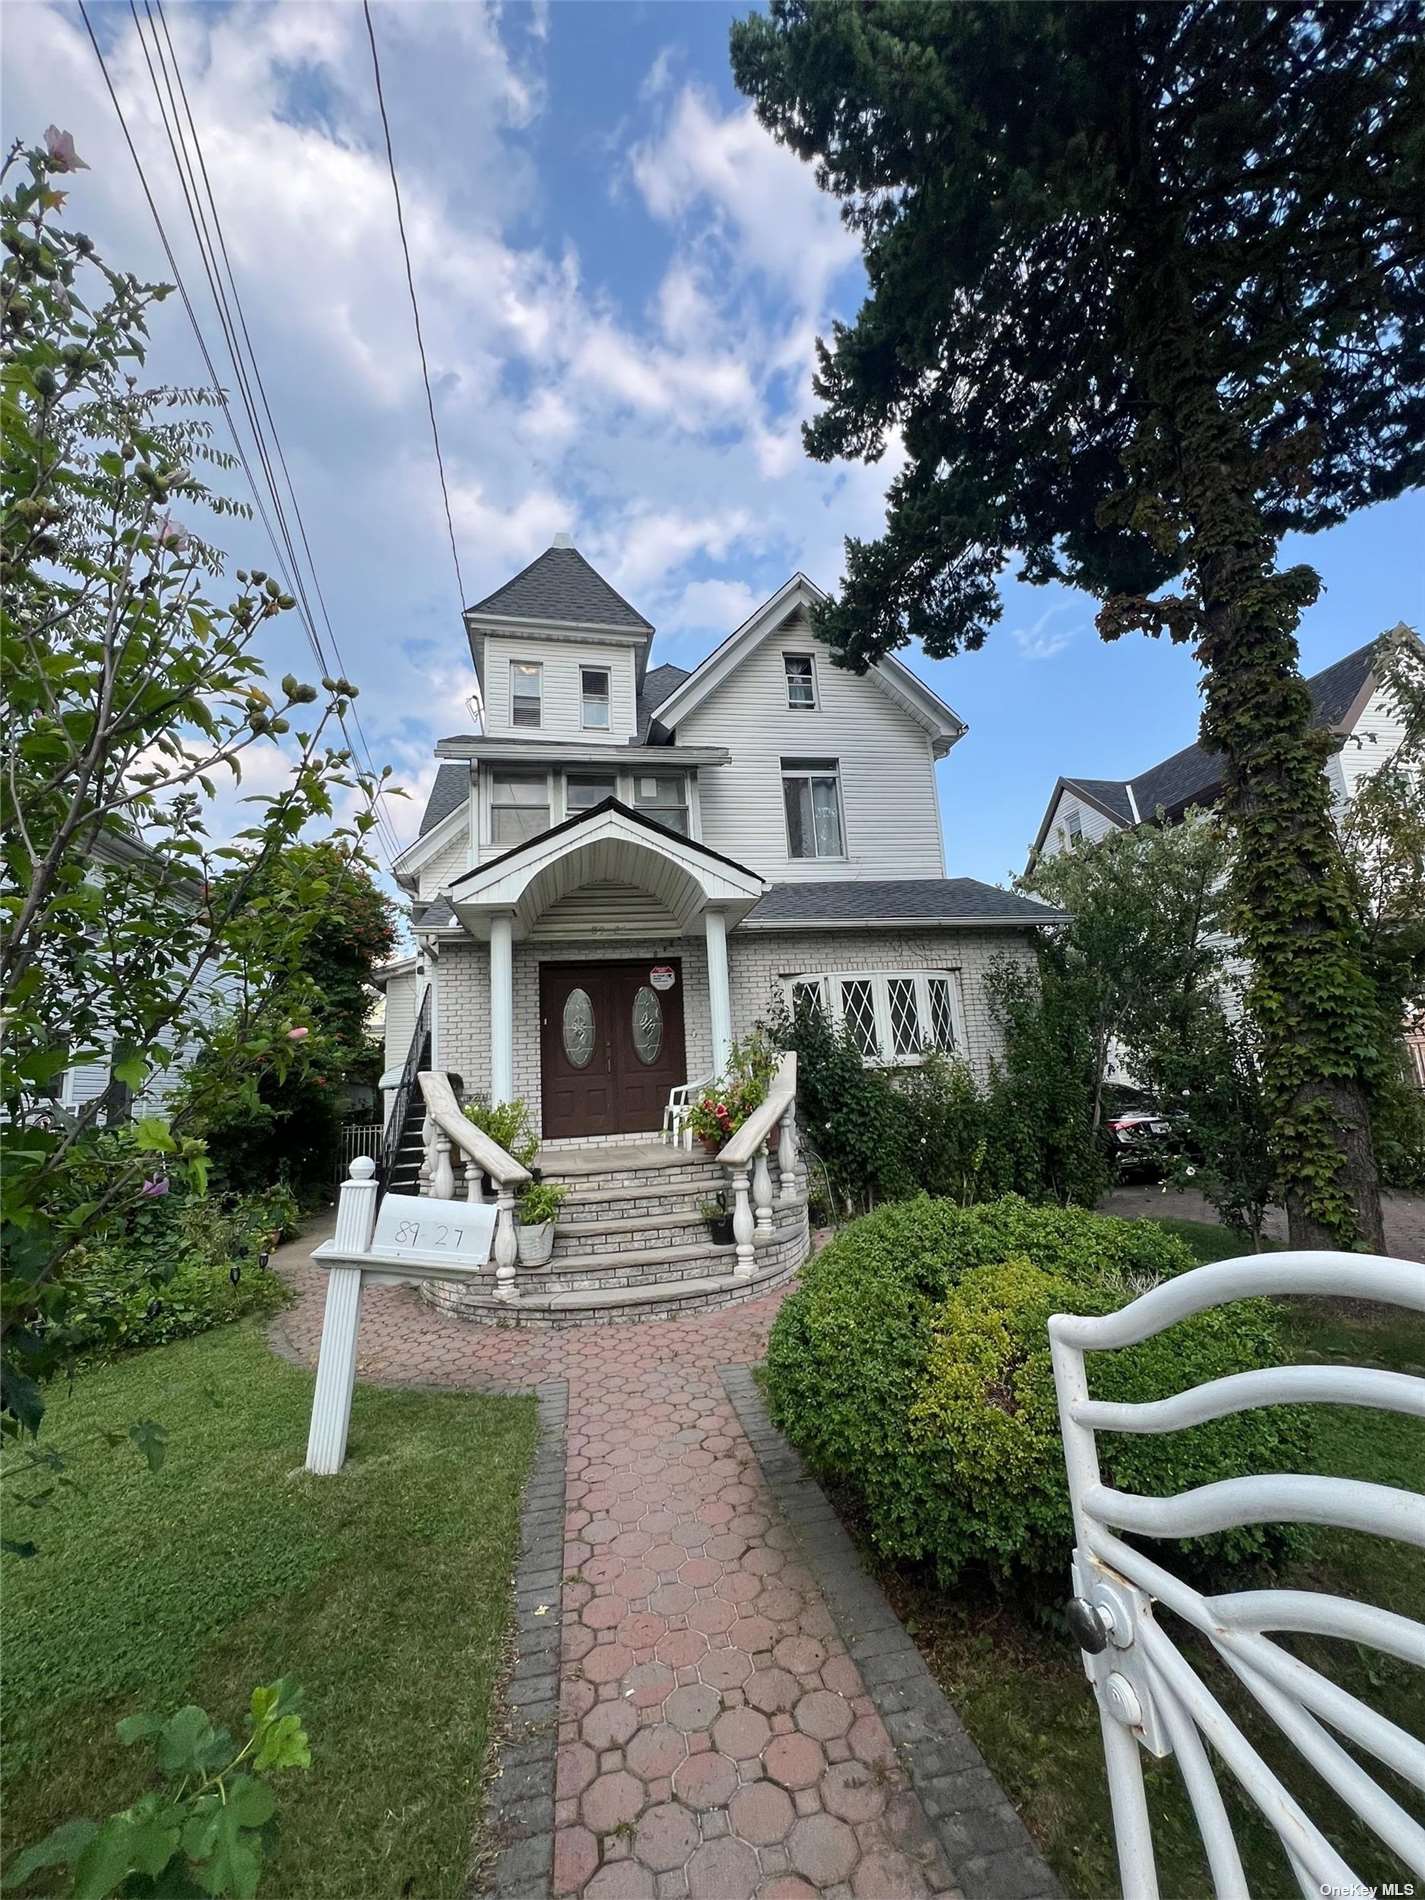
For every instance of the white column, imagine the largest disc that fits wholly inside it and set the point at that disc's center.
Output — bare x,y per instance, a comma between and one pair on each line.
719,997
336,1358
502,1008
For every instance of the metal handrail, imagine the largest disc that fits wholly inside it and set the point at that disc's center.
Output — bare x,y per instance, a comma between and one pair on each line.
416,1057
781,1093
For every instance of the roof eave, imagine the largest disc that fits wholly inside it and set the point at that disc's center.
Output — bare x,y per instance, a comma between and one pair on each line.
905,923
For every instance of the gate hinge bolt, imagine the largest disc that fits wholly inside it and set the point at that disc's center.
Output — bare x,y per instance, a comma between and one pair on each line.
1123,1701
1090,1624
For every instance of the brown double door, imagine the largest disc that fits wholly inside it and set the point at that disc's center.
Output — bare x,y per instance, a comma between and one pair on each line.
611,1045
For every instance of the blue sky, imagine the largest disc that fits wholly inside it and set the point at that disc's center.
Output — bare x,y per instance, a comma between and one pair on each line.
621,278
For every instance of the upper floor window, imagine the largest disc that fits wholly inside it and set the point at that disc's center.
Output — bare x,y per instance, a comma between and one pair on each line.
663,797
584,790
519,806
811,792
1074,819
526,692
801,681
594,697
893,1016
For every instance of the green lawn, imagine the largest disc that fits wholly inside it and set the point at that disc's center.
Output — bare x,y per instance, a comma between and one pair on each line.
383,1591
1021,1692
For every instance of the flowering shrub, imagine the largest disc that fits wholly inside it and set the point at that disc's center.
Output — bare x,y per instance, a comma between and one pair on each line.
717,1116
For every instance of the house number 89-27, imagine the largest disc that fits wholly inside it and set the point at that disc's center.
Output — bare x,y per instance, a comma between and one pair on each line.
408,1233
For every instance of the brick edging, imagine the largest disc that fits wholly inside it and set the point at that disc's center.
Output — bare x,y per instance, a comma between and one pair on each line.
519,1810
989,1849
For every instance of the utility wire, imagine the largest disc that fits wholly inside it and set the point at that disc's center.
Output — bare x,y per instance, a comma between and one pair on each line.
415,305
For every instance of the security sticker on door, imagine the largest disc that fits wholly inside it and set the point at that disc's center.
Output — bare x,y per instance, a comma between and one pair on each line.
661,977
417,1228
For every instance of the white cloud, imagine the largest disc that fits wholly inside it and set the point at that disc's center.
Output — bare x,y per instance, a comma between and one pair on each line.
1036,642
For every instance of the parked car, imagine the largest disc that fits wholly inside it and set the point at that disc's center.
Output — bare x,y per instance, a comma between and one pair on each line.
1141,1137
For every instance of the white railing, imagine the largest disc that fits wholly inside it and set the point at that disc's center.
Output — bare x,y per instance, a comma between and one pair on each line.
446,1128
677,1130
1148,1693
774,1125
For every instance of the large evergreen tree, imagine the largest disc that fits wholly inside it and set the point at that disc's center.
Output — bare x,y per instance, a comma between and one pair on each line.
1147,291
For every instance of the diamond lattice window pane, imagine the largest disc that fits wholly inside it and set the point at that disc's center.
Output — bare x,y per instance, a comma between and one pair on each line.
859,1008
905,1017
942,1020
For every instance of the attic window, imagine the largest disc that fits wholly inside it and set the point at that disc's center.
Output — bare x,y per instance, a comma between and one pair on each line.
801,682
594,697
526,692
1074,819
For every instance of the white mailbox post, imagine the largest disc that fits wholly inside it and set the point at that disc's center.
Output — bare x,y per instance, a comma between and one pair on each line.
409,1239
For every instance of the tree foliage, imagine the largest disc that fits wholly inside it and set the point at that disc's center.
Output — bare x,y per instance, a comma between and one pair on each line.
133,686
1146,292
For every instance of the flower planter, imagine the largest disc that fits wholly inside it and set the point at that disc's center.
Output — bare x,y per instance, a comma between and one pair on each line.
720,1231
536,1244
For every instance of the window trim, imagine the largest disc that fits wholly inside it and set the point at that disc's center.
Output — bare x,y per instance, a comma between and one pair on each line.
537,668
796,705
527,777
827,984
1074,823
589,725
655,811
792,768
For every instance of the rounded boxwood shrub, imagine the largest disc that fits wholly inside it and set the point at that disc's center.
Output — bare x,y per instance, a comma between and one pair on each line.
913,1365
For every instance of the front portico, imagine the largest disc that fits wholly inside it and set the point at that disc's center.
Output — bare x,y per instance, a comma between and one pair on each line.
601,893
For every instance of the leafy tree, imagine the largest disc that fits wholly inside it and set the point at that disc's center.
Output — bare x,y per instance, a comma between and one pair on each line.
1143,944
1147,292
125,930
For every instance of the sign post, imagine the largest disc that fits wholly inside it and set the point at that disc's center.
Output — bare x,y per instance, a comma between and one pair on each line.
406,1240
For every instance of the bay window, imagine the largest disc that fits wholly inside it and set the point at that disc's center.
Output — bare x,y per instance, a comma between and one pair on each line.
894,1017
811,793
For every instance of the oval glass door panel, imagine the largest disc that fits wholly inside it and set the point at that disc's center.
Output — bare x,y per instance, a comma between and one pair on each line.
578,1028
647,1025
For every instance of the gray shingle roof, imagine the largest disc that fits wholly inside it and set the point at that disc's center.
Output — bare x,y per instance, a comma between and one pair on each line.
560,585
928,900
1111,793
431,916
448,794
658,683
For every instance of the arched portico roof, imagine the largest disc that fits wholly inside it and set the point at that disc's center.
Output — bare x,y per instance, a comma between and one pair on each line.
608,844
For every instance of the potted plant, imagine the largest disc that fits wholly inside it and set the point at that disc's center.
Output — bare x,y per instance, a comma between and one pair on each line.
716,1117
535,1213
719,1220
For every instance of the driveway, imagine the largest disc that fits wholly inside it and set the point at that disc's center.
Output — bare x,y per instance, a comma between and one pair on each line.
1404,1214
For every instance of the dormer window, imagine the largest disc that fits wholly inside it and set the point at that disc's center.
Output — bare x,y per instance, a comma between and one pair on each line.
526,692
801,682
594,698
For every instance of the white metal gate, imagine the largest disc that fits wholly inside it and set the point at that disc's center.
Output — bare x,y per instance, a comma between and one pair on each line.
1148,1693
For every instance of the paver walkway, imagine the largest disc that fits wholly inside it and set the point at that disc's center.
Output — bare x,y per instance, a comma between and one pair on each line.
716,1740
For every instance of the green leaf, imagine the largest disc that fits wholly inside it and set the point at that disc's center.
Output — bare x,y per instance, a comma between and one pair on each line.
189,1744
253,1802
16,1549
130,1069
150,1439
138,1728
152,1134
283,1745
106,1861
58,1849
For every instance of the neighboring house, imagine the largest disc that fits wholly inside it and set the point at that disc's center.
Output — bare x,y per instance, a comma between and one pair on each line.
1347,699
617,877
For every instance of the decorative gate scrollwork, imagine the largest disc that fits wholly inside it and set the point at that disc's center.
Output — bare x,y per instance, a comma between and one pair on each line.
1149,1695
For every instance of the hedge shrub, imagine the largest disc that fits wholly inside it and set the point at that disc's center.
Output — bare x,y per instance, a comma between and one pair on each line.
912,1365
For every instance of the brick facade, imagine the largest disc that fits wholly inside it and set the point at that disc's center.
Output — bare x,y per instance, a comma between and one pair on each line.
757,963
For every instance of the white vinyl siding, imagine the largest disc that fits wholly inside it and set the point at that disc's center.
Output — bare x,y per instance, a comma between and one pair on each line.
1091,821
563,663
888,790
1376,739
436,873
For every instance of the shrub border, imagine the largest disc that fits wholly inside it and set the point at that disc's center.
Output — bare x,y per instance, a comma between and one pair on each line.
519,1802
990,1851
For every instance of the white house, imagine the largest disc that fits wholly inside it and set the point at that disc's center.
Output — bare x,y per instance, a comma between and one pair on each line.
617,875
1347,699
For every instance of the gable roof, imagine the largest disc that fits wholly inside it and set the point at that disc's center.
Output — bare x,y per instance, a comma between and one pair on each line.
586,817
896,680
1193,775
447,795
560,585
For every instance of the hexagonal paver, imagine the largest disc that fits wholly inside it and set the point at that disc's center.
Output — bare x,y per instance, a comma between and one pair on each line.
576,1855
648,1683
575,1767
621,1880
712,1615
705,1781
823,1715
852,1791
869,1740
885,1874
722,1870
609,1724
725,1668
752,1633
694,1706
666,1836
656,1751
803,1655
743,1733
795,1760
611,1801
762,1813
773,1691
607,1663
822,1848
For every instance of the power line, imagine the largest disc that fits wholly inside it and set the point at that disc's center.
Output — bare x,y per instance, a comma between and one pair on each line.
415,305
259,441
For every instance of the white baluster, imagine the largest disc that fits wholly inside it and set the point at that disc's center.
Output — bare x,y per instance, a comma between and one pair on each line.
787,1155
336,1359
474,1183
506,1245
442,1175
423,1185
762,1196
743,1225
